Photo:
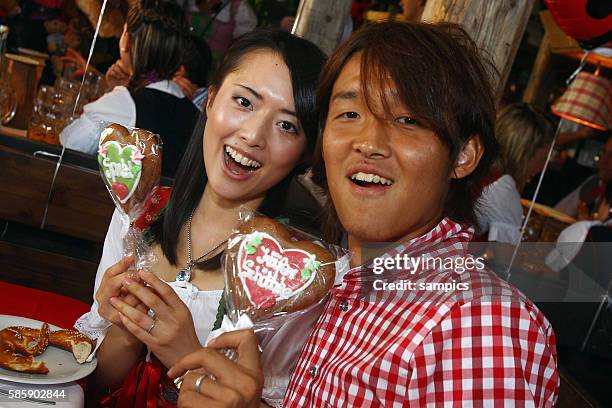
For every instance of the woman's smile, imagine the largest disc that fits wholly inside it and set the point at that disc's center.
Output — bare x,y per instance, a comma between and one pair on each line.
239,165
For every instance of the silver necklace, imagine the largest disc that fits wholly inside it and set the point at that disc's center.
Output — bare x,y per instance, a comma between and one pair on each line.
187,272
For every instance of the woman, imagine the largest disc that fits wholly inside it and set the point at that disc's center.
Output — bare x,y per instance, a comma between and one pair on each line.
143,93
524,136
261,123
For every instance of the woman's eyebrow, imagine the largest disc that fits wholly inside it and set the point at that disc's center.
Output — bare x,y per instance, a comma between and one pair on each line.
251,90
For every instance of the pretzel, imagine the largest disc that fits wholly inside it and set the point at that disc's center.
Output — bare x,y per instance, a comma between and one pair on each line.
71,340
19,345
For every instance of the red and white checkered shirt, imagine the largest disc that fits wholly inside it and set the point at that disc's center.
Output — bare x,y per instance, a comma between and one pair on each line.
487,346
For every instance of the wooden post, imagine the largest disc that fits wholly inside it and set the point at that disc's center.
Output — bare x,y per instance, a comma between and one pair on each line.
497,26
533,92
322,22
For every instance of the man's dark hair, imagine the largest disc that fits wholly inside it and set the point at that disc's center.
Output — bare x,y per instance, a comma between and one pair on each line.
440,75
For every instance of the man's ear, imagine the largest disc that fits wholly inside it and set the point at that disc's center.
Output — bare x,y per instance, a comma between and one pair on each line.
211,96
468,158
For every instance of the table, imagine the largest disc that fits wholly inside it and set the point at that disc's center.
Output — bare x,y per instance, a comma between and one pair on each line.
41,305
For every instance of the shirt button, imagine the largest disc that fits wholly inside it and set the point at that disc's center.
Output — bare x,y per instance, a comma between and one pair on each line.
344,306
312,371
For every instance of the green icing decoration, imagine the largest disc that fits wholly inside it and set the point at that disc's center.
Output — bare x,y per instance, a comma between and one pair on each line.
118,167
309,269
252,245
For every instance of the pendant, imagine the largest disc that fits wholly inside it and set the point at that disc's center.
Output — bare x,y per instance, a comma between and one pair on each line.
184,276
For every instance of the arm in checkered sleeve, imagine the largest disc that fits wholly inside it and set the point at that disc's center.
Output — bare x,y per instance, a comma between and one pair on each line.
488,353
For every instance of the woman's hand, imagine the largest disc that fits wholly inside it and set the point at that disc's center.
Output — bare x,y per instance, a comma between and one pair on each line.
118,74
235,384
111,287
170,333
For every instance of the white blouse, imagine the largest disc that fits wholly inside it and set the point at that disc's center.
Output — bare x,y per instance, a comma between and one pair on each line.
281,346
116,106
499,211
202,303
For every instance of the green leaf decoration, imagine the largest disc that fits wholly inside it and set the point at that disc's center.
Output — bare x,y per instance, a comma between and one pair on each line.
252,245
311,267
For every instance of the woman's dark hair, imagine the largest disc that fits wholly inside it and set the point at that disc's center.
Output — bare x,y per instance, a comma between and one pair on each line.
197,60
439,74
304,61
157,31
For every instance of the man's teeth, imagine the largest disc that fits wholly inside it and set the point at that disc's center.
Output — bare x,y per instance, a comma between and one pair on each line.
238,158
371,178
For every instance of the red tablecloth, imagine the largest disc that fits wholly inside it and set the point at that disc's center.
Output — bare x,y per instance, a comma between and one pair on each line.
37,304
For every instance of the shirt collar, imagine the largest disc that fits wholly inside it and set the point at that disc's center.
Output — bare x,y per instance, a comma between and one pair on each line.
446,238
167,86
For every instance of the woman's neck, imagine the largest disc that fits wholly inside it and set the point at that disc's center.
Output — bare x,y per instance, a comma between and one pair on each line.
218,216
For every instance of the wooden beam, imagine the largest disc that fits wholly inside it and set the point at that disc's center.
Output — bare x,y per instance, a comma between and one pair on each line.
322,22
538,72
496,26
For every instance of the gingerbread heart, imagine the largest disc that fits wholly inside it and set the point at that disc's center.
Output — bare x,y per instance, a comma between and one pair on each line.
270,271
130,163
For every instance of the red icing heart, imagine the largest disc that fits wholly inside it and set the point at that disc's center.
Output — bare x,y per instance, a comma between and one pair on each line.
120,189
271,273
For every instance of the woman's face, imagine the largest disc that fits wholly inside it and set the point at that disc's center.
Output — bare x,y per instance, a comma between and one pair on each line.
252,138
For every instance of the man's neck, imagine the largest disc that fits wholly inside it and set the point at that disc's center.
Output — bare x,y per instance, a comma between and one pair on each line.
360,245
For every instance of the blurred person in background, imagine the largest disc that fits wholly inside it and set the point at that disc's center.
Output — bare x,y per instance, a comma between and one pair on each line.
143,92
194,73
524,136
588,201
221,22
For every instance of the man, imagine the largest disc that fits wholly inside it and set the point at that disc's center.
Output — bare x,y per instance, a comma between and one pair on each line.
407,115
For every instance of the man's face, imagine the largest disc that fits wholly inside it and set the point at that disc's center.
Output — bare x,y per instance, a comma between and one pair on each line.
605,162
388,176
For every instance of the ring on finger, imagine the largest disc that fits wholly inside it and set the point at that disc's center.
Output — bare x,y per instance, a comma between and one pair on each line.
152,325
198,382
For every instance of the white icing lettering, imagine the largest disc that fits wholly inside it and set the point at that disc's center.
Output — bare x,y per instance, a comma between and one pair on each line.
114,170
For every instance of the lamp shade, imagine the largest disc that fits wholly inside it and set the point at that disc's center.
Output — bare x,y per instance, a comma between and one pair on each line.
587,101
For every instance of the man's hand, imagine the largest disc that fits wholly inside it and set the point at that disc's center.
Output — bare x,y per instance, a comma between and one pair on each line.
226,383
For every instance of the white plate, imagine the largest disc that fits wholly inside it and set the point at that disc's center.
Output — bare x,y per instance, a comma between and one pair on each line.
62,366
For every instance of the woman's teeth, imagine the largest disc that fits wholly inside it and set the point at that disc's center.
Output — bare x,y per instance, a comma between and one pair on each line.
371,178
240,159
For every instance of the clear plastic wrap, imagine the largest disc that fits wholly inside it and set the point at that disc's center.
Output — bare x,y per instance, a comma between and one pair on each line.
272,270
130,164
